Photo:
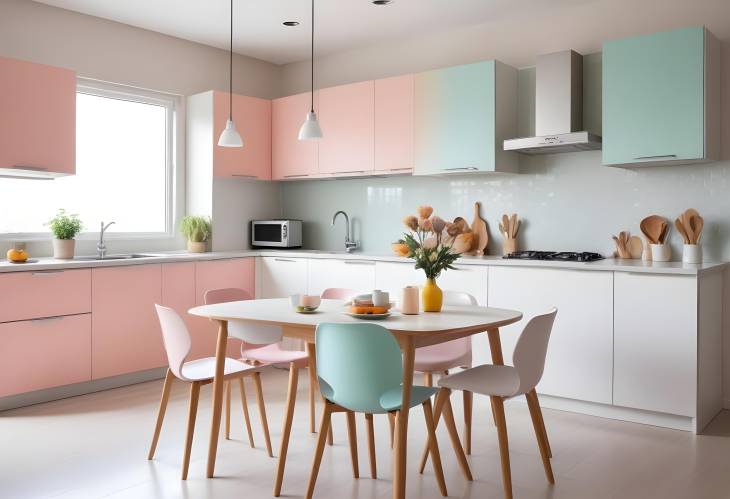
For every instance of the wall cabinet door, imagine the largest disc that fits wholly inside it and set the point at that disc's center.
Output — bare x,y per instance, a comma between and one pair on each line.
347,119
394,124
253,121
579,361
126,333
44,353
462,115
38,118
292,158
282,277
654,98
655,346
358,275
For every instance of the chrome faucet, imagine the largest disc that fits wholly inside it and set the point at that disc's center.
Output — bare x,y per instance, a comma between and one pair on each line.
350,245
100,246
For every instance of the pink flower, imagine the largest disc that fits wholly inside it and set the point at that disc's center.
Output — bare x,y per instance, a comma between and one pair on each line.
430,243
425,224
438,224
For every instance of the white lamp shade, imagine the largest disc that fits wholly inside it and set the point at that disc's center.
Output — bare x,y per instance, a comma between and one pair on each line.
230,137
310,129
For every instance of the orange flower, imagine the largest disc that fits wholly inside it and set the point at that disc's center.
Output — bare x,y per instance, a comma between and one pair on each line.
424,211
411,222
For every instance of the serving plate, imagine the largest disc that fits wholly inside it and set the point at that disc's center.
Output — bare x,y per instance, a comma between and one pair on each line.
369,317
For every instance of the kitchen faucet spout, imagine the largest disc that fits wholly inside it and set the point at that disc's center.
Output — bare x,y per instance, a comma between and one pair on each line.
350,245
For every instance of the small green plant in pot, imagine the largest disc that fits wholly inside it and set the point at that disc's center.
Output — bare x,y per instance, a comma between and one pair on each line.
65,228
197,230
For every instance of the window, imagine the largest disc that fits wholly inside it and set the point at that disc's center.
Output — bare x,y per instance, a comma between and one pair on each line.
124,169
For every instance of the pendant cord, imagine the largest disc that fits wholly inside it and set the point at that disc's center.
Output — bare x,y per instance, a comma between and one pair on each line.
312,75
230,72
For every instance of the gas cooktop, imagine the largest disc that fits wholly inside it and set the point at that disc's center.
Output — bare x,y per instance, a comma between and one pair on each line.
566,256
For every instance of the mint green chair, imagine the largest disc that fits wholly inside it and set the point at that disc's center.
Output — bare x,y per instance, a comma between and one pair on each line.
360,369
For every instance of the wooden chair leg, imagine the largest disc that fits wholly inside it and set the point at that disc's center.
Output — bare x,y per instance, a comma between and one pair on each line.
246,417
443,406
468,409
371,446
291,399
330,437
352,436
228,410
192,413
312,398
321,440
498,405
434,447
169,378
262,412
534,406
542,425
428,379
391,421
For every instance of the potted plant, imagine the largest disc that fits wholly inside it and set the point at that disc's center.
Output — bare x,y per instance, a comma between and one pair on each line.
65,228
432,244
197,230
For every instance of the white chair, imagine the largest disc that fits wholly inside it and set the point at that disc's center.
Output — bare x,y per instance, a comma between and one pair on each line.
198,372
504,382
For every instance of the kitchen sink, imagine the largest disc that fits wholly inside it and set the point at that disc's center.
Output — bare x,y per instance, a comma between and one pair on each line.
111,257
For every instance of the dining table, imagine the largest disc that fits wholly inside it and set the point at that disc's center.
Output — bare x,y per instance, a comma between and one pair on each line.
411,332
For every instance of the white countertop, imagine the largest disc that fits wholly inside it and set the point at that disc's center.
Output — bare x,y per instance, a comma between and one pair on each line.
609,264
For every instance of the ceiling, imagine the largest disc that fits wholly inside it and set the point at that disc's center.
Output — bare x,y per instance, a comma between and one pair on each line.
341,24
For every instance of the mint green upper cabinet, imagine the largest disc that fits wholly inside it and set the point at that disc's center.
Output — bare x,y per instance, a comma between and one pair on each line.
462,115
656,92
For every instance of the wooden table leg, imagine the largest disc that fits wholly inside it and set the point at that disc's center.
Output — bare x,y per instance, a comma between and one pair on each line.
215,425
291,398
401,428
495,346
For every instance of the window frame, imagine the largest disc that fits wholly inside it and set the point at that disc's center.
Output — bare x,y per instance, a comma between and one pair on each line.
171,103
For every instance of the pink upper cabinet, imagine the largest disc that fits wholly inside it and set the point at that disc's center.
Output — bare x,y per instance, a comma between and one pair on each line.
37,117
347,119
394,123
252,117
292,158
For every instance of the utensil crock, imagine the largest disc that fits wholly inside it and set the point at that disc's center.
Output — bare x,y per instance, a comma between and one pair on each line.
692,253
661,252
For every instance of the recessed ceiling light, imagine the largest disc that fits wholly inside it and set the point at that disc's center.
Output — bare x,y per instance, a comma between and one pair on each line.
382,2
291,23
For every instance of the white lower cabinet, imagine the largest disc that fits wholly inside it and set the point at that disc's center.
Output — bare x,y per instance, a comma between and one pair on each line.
655,343
393,277
281,276
579,362
358,275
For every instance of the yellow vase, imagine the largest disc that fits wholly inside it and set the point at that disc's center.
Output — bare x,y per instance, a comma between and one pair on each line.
432,296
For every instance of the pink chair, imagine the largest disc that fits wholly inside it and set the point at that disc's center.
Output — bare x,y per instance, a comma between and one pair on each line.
438,359
266,353
198,372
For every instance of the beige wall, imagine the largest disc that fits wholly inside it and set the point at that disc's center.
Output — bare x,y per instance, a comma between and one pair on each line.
582,25
110,51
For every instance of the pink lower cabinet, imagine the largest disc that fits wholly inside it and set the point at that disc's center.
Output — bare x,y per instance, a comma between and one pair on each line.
125,331
29,295
44,353
217,274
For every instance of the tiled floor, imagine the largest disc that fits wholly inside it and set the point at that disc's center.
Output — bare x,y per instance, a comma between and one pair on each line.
96,445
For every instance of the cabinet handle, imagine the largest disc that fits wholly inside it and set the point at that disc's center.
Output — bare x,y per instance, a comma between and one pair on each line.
358,262
284,260
240,175
44,273
34,168
296,176
48,319
400,169
461,169
660,156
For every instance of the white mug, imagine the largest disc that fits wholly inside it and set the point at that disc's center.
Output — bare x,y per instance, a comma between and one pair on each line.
410,303
295,300
381,298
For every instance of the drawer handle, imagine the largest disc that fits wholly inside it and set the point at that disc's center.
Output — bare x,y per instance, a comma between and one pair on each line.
46,273
296,176
284,260
461,169
661,156
32,168
358,262
48,319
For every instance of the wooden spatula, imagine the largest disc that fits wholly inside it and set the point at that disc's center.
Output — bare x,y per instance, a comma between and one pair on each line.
698,223
680,228
652,227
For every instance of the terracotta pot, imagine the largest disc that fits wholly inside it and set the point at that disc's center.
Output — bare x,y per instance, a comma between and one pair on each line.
197,247
432,296
63,249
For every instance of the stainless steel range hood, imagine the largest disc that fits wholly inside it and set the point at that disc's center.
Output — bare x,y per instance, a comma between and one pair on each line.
558,108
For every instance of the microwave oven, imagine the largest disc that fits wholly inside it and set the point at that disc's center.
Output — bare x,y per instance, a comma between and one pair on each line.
276,233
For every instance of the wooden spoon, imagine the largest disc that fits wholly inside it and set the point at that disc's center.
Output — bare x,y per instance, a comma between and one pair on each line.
680,228
652,227
664,233
513,225
699,224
